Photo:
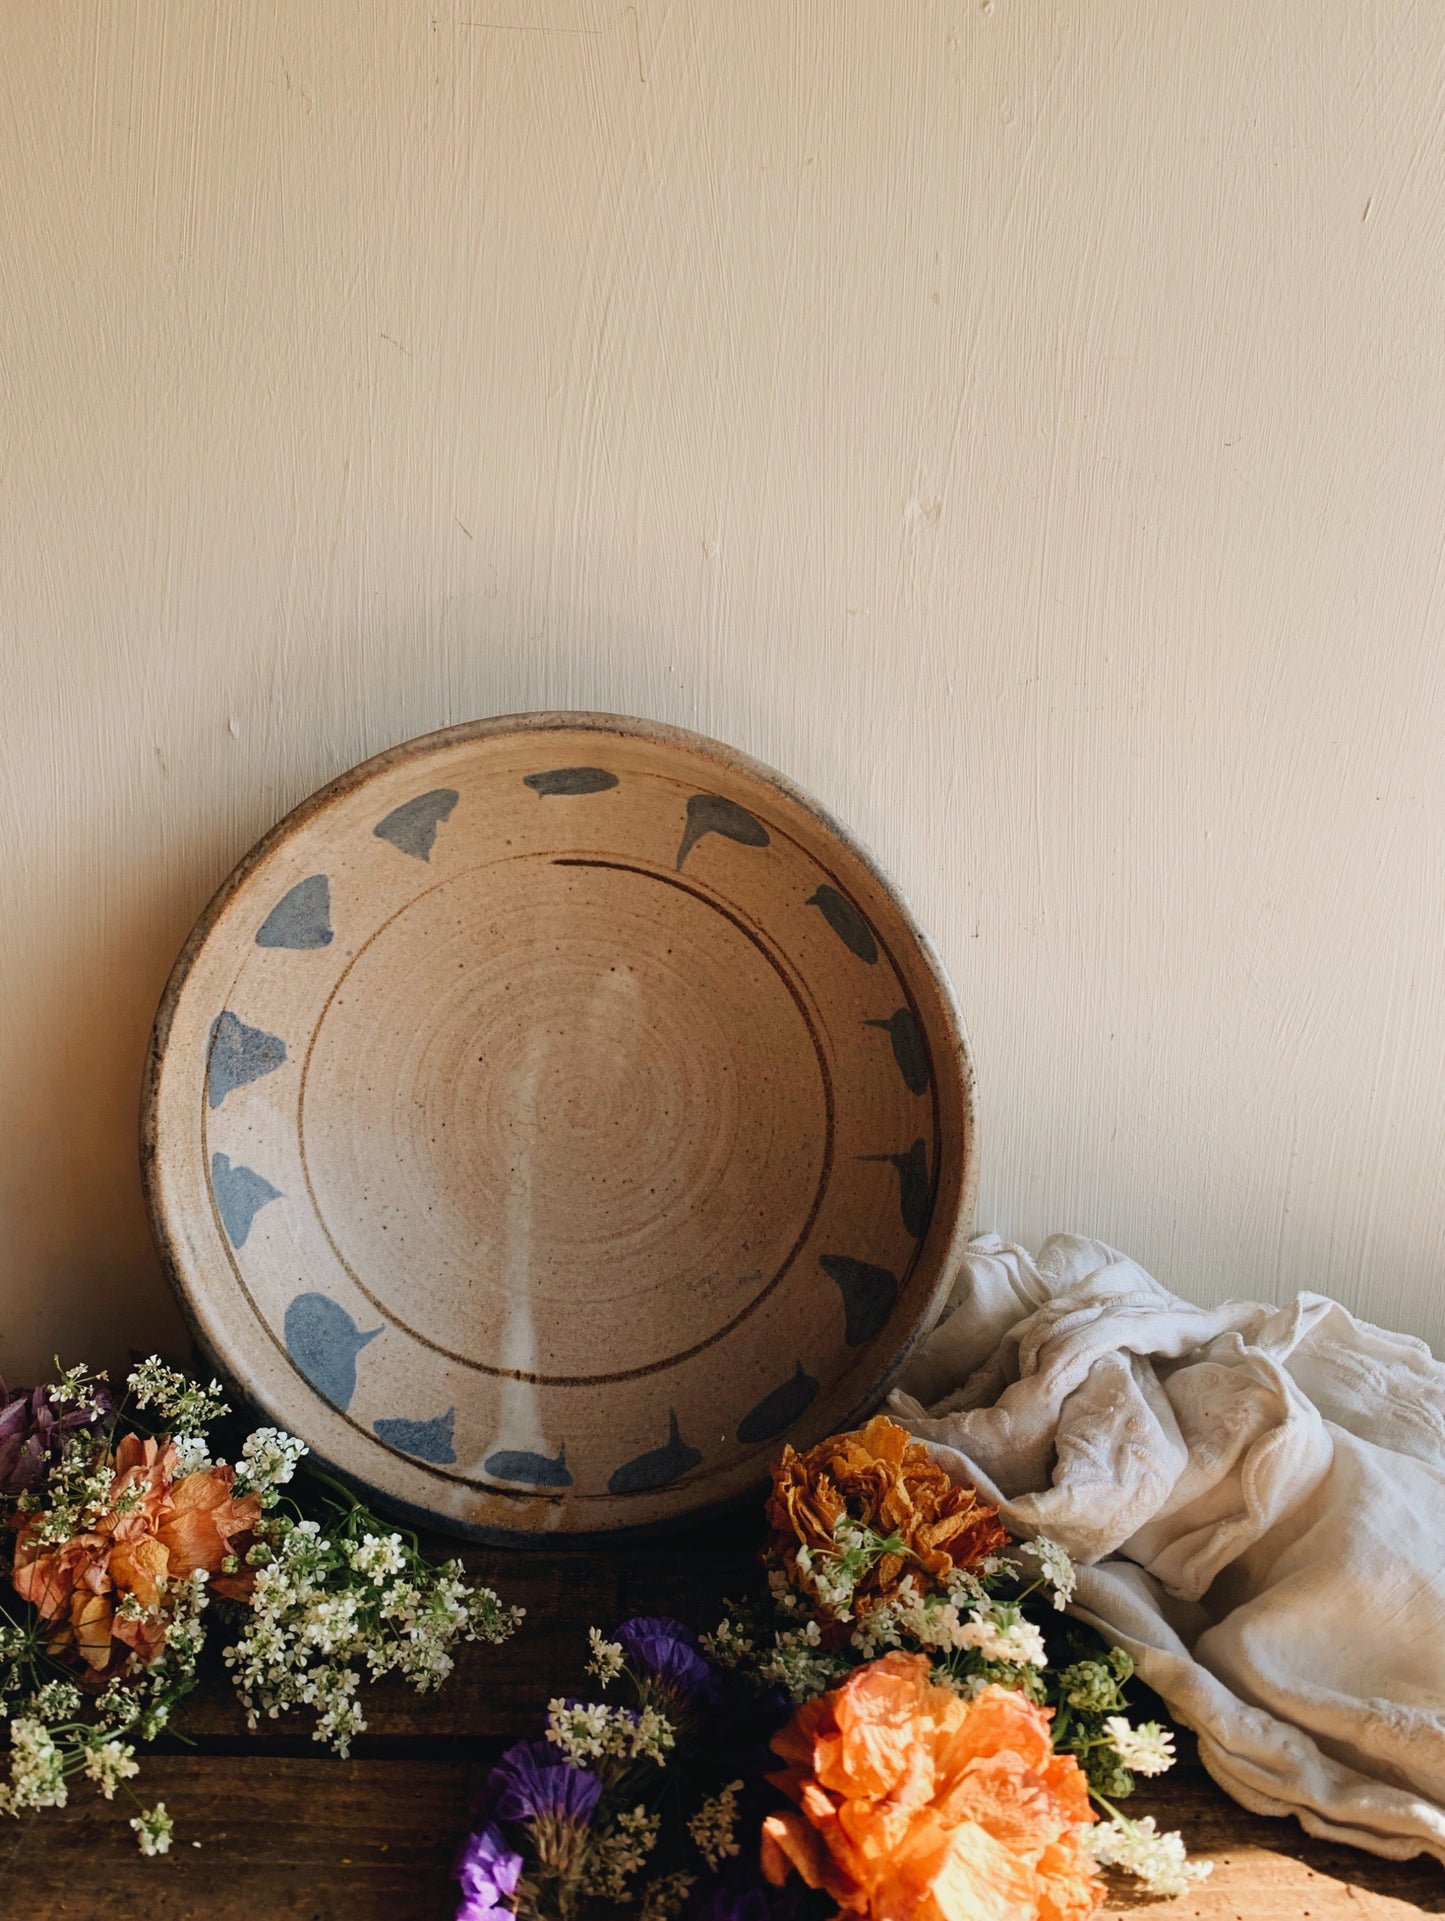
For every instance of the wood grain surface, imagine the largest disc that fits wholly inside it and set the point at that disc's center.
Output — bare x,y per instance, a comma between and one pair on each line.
267,1826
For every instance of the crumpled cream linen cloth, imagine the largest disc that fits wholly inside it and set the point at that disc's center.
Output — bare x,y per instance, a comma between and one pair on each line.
1256,1498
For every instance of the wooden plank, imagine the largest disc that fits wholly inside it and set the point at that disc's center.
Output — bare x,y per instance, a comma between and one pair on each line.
318,1840
263,1838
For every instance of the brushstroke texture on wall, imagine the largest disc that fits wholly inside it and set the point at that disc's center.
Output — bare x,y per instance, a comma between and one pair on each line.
1022,423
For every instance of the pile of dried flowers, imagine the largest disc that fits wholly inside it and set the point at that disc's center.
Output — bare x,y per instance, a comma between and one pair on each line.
903,1729
120,1533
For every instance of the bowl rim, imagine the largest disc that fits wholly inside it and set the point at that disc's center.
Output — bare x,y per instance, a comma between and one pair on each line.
542,721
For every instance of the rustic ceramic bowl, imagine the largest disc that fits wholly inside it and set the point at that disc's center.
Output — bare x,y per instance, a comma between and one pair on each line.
553,1116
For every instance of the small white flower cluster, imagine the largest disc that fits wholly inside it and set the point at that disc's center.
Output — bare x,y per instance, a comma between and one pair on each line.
55,1701
1001,1634
1160,1861
964,1618
268,1461
153,1829
37,1768
729,1645
79,1388
77,1492
193,1454
182,1404
607,1659
665,1898
834,1576
713,1826
593,1730
797,1663
1055,1566
785,1597
1146,1749
377,1556
616,1853
108,1763
323,1610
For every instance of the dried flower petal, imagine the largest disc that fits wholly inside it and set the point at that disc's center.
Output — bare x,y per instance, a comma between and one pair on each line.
883,1479
912,1804
103,1587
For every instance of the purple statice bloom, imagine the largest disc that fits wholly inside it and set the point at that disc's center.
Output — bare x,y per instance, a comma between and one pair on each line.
668,1652
31,1431
532,1780
489,1872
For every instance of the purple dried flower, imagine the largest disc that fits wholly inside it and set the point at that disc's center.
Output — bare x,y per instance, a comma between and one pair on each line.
489,1872
32,1428
668,1652
532,1780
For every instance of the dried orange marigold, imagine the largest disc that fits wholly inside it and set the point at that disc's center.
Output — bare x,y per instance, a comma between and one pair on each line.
883,1479
912,1804
159,1529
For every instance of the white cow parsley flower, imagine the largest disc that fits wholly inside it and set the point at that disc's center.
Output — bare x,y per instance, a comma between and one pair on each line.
1055,1566
37,1767
665,1897
193,1454
1159,1860
323,1611
108,1764
712,1827
184,1405
1146,1749
268,1461
1001,1638
798,1665
153,1829
616,1853
728,1644
591,1730
607,1656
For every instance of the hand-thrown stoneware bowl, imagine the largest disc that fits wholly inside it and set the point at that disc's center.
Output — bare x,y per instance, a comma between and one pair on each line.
553,1116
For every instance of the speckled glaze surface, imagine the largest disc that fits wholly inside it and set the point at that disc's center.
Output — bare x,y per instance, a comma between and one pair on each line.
551,1117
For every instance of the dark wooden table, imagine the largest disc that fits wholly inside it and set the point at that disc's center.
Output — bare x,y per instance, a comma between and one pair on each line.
268,1825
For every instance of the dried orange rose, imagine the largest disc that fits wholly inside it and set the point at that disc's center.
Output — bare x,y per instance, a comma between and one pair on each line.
884,1479
157,1530
912,1804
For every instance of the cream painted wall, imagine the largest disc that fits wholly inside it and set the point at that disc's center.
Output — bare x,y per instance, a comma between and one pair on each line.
1022,423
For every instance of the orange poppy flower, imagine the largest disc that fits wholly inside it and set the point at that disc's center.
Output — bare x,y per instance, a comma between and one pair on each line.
157,1530
912,1804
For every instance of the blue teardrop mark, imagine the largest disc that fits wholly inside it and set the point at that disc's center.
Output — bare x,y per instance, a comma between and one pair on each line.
534,1470
658,1467
868,1295
909,1050
915,1191
777,1411
846,922
427,1440
413,826
324,1341
570,780
711,814
240,1194
301,918
238,1054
